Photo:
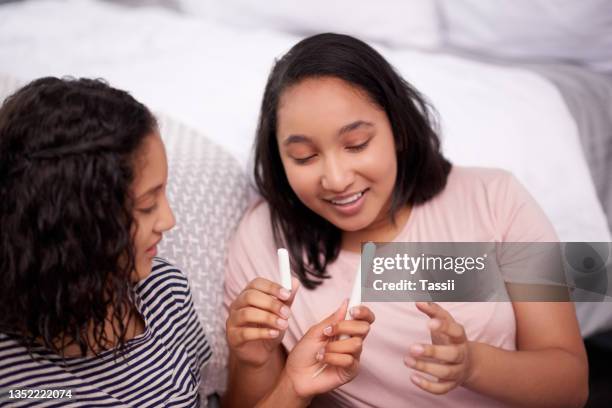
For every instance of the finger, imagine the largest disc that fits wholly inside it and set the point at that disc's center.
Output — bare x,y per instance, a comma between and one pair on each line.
432,310
339,360
433,387
237,336
251,315
260,300
449,327
352,346
447,353
444,372
269,287
349,328
319,330
362,312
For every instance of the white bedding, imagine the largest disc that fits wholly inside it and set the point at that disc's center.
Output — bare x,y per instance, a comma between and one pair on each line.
211,77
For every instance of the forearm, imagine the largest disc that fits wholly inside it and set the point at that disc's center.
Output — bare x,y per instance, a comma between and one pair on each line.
247,385
542,378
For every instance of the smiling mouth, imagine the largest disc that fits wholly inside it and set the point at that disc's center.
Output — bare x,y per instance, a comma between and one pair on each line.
348,200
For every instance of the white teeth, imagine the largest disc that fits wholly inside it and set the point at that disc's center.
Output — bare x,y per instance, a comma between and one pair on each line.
348,200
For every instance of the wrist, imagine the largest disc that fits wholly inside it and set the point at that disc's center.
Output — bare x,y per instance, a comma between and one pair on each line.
252,365
473,358
285,394
287,384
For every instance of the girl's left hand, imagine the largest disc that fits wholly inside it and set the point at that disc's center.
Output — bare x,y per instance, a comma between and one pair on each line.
447,359
320,346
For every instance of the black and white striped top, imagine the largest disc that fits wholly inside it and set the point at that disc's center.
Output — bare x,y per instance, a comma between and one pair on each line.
161,368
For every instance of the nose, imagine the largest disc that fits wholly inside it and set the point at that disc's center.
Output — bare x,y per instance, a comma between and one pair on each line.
166,220
337,175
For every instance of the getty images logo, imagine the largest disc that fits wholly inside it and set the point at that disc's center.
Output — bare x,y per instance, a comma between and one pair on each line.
586,267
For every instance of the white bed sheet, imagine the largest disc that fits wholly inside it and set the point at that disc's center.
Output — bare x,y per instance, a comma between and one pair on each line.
211,77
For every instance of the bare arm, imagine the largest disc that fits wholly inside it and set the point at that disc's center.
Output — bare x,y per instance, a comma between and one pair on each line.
257,321
283,394
550,367
248,384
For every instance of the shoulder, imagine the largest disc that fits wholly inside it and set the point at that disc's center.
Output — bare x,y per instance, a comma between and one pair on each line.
476,178
252,249
165,278
254,232
482,186
256,218
487,203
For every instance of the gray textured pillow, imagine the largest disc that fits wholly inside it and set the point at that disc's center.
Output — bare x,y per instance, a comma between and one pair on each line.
208,192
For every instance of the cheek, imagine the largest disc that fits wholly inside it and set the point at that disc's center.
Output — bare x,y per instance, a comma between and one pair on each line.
380,165
389,176
140,237
304,182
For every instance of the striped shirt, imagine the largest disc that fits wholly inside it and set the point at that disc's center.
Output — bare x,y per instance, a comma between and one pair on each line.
161,368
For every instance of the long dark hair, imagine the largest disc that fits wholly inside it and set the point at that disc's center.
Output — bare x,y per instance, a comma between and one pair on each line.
312,241
67,150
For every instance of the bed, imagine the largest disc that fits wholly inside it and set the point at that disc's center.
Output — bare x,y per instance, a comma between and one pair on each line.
548,124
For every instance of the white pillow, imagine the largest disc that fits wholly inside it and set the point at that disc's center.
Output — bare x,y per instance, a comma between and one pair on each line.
392,22
577,31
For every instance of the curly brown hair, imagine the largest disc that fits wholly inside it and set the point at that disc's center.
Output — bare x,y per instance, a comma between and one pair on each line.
67,150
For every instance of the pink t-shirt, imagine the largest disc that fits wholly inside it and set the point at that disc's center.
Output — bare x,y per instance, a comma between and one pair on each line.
477,205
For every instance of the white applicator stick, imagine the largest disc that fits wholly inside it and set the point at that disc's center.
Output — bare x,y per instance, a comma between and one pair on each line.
284,267
355,298
368,254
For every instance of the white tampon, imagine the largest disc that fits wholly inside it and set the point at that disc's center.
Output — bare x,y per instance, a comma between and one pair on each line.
284,267
356,293
355,298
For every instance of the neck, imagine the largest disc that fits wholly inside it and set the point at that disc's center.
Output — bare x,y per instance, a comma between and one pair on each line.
381,230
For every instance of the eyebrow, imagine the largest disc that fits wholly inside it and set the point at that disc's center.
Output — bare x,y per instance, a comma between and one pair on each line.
344,129
150,191
355,125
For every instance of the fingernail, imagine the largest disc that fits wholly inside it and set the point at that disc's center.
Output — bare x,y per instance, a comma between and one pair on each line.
274,333
282,323
416,349
435,324
410,362
416,379
284,294
354,311
320,355
285,311
328,330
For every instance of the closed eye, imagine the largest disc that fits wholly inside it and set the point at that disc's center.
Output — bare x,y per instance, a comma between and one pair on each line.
359,147
304,160
148,210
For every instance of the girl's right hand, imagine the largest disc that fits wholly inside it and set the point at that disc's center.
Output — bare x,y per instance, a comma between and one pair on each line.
258,319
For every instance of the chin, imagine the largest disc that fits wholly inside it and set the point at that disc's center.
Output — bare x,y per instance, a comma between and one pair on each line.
351,224
143,268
